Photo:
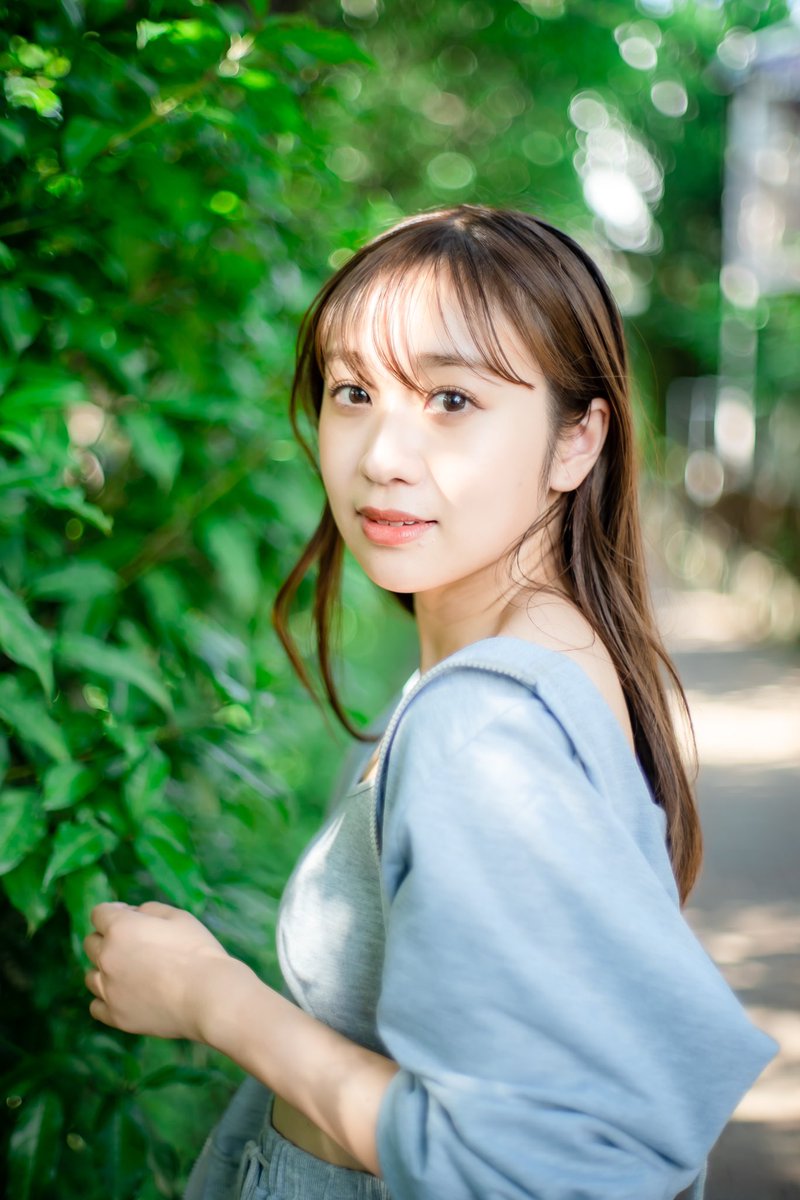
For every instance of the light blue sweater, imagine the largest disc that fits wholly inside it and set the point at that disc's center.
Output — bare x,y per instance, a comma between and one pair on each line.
561,1033
498,914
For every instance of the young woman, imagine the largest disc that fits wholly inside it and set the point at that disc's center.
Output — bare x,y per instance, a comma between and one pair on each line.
490,990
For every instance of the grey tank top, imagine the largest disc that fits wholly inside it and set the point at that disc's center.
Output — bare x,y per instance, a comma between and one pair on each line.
330,929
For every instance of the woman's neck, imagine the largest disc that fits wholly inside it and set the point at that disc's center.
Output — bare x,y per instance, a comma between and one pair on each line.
551,620
483,605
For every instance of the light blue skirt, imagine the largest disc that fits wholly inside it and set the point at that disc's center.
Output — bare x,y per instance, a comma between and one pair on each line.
245,1158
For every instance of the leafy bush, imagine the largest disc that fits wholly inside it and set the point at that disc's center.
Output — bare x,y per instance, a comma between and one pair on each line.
160,235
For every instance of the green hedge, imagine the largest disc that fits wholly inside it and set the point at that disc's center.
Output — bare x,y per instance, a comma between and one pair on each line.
160,234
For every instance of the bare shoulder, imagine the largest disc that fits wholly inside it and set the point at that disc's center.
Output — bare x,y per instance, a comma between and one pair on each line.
555,623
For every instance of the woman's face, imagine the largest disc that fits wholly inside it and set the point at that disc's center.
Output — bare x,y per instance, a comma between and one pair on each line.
463,459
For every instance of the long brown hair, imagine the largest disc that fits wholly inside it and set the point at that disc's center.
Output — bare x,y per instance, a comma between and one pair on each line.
546,286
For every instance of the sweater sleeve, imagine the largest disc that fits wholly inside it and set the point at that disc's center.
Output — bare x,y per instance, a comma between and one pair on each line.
560,1031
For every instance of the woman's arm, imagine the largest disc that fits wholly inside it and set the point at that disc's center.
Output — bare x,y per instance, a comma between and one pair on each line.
559,1029
159,971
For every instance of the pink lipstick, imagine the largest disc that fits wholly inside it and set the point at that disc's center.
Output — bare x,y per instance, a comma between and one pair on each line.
391,526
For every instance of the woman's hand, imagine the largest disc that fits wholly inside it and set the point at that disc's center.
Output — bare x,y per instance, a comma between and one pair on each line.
150,965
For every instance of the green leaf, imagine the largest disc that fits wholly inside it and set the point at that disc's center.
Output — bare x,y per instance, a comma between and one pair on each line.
83,140
328,45
19,321
42,390
34,57
23,886
174,1073
7,368
232,549
108,810
74,501
64,288
174,871
65,784
35,1146
167,597
12,140
78,580
192,407
30,720
123,1158
82,890
77,844
171,826
191,30
144,787
156,446
149,31
23,640
20,440
132,741
257,81
21,826
90,654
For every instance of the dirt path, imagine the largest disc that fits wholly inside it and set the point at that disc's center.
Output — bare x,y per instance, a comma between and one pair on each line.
745,702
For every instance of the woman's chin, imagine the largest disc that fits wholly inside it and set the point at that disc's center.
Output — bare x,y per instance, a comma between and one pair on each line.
391,579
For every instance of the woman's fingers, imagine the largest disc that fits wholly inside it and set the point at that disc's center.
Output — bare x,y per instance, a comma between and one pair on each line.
154,908
103,915
91,944
147,960
100,1011
94,982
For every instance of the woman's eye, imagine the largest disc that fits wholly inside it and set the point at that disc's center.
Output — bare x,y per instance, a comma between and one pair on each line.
349,394
452,401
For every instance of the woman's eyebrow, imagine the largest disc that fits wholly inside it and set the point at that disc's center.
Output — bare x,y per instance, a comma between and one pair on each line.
478,365
350,359
427,359
437,359
337,354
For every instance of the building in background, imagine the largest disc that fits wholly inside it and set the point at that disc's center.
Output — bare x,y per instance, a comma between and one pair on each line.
735,444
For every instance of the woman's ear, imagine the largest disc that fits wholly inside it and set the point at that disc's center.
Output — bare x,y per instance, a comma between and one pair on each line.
579,446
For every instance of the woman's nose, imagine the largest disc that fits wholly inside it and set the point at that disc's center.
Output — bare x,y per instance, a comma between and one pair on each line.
392,449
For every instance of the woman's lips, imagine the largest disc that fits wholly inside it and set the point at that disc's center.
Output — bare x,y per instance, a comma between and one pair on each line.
377,527
389,514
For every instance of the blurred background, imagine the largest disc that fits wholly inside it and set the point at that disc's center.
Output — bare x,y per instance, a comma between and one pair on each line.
177,181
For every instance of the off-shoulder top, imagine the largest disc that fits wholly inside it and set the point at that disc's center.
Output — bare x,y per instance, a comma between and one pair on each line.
496,911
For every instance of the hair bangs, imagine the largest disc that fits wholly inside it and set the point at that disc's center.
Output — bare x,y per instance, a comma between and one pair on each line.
372,308
372,313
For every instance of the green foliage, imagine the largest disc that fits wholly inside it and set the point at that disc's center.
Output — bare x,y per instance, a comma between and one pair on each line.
477,102
159,238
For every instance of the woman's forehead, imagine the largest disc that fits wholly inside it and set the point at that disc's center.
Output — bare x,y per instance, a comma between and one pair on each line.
413,326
